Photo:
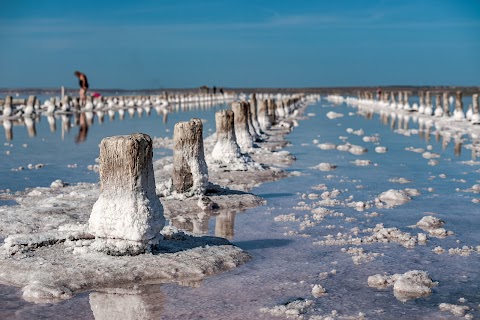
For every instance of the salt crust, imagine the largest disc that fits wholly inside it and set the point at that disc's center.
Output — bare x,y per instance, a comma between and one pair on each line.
68,249
50,272
455,309
410,285
293,309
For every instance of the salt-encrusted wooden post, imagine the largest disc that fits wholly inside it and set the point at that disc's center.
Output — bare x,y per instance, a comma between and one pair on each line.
251,128
446,104
271,105
31,101
128,216
254,115
428,103
458,113
475,109
190,172
438,105
244,138
226,148
263,117
8,102
421,100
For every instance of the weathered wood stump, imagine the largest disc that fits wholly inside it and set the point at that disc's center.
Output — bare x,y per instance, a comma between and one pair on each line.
438,105
272,106
190,172
242,132
446,105
226,148
254,113
128,216
475,109
263,117
458,114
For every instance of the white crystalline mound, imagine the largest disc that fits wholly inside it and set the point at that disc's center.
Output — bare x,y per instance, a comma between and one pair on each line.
394,197
412,285
325,166
334,115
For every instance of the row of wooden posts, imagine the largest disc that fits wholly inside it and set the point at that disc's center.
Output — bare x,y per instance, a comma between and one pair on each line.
425,98
126,172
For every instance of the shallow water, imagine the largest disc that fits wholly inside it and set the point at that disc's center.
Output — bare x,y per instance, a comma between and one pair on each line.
284,266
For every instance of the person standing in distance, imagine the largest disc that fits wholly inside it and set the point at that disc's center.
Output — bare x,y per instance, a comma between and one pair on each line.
83,82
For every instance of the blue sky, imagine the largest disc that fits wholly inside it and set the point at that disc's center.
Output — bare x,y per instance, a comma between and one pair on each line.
244,43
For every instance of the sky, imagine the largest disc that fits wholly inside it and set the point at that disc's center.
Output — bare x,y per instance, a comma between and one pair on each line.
239,43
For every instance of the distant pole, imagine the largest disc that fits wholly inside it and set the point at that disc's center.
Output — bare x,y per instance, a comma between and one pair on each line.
63,92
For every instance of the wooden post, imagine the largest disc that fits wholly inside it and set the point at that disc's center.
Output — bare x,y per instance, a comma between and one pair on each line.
263,118
438,105
242,132
458,114
475,109
226,148
190,172
254,115
446,105
271,105
128,216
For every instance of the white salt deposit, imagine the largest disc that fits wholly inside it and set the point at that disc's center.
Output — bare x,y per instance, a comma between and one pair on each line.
394,197
380,149
334,115
318,291
294,309
455,309
362,162
357,150
327,146
325,166
412,285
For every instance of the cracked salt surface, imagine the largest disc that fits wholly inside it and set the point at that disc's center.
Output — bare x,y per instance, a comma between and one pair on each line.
284,269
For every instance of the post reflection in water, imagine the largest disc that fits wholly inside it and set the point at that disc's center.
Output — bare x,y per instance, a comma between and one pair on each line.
144,302
83,128
7,125
198,224
426,128
224,225
30,124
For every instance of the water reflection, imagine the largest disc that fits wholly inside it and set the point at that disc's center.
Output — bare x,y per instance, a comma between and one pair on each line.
145,302
83,129
198,223
409,124
85,118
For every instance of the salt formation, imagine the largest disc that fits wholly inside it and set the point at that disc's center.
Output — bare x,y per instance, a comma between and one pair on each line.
325,166
128,216
433,226
242,127
190,172
226,151
294,309
455,309
393,198
410,285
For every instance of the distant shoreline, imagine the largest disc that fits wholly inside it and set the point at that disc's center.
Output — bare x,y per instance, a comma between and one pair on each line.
330,90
